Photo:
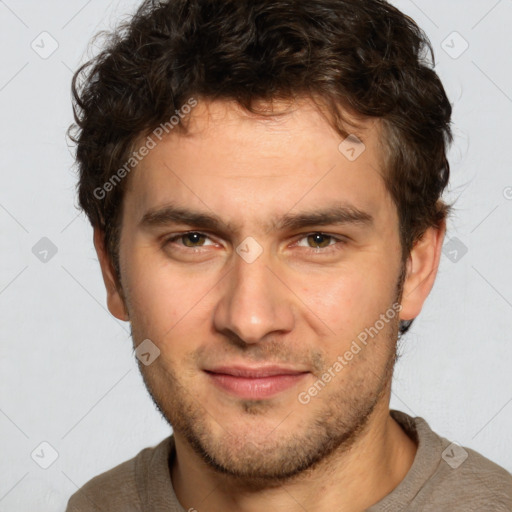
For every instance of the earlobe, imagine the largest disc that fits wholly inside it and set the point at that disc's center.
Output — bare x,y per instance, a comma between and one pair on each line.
115,299
421,270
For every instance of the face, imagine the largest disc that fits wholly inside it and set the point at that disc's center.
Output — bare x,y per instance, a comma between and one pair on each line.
251,243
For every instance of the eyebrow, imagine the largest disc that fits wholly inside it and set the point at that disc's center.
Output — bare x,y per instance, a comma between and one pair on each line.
333,215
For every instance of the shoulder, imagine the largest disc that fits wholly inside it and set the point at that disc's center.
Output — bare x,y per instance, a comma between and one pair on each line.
465,475
447,476
118,489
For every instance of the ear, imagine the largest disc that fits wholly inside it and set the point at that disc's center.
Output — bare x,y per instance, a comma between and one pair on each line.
421,270
115,299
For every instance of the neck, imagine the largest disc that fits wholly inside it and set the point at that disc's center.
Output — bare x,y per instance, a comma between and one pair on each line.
349,481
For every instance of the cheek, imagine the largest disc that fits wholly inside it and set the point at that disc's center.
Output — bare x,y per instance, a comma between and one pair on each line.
167,297
350,299
159,296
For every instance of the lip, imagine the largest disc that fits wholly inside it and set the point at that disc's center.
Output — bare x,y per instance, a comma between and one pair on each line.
256,382
255,372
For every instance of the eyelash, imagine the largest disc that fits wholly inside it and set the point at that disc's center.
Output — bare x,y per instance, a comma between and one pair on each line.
325,250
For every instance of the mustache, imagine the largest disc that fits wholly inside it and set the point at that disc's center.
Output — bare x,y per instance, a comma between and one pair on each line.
272,352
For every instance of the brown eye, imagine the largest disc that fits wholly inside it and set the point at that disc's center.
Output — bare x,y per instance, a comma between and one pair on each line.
319,239
193,238
320,243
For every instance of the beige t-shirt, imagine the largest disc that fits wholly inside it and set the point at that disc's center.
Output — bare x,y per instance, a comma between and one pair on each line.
441,479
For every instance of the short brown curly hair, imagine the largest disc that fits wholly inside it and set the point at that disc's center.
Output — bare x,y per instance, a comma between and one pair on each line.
364,56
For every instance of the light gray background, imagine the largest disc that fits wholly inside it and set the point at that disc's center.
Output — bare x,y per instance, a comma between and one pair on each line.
67,368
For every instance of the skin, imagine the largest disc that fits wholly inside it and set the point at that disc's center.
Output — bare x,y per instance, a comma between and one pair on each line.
300,303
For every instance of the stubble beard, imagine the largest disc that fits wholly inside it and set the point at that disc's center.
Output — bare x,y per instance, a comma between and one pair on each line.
284,455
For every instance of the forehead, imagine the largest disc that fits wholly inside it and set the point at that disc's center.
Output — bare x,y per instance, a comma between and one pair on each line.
238,164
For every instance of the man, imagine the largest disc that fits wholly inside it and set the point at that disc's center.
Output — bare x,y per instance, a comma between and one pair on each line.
264,180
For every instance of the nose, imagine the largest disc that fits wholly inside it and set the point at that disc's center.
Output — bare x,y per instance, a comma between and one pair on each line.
255,301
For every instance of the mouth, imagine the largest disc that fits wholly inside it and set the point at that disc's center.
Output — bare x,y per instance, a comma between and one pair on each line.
256,382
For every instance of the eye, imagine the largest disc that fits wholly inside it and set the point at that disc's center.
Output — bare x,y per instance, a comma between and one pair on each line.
315,243
321,241
190,239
